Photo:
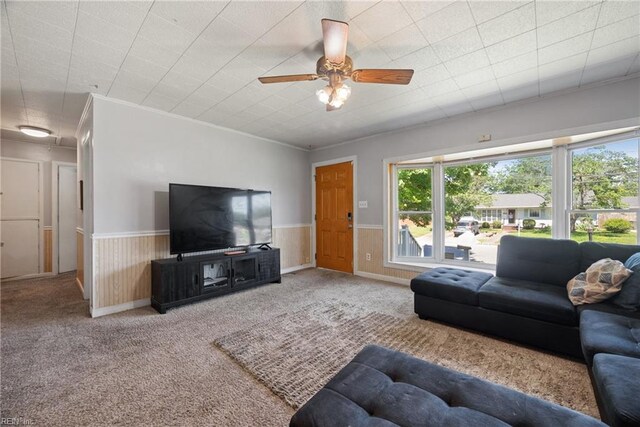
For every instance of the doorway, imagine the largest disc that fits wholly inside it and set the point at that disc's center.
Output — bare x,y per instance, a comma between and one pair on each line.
65,216
334,216
512,216
21,217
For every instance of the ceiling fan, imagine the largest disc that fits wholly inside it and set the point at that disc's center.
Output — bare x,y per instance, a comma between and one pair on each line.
336,67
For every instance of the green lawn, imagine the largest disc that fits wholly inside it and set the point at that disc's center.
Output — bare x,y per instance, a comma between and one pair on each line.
419,231
582,236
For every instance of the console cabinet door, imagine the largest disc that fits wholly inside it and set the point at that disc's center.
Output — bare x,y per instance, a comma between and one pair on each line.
186,283
269,265
216,275
176,281
245,270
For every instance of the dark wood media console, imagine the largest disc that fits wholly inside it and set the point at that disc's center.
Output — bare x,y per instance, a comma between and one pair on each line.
195,278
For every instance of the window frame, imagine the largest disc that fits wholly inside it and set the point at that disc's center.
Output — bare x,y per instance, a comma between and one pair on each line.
538,212
561,194
395,213
569,209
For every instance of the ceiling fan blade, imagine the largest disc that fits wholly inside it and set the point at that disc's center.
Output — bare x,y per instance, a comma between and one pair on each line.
289,78
334,35
394,77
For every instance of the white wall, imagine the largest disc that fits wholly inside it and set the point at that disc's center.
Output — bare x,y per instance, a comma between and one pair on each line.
138,152
592,109
32,151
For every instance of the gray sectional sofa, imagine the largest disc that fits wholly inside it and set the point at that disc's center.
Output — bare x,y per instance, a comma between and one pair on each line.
527,302
527,299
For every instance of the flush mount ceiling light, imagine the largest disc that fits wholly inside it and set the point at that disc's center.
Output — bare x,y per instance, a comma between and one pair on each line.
336,67
34,131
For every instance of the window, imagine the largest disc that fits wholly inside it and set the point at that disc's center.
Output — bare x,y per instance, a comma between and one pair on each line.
455,208
414,212
490,215
534,213
474,188
604,192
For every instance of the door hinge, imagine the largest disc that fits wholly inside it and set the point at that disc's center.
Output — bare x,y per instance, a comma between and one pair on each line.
314,177
315,256
315,217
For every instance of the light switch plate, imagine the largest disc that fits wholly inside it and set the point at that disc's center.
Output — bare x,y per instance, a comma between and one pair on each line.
363,204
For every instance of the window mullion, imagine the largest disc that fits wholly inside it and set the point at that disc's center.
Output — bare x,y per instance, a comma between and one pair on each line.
395,214
560,192
438,212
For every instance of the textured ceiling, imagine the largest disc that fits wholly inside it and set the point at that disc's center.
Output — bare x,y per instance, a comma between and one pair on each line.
201,59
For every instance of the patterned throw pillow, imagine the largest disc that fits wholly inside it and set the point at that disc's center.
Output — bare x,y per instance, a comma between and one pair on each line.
602,280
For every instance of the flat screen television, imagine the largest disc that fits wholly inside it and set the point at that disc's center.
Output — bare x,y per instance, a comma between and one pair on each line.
206,218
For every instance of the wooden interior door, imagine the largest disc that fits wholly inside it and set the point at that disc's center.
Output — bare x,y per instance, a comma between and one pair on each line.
334,217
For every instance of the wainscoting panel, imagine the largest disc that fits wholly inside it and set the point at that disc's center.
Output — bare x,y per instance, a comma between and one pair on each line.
295,245
122,264
123,267
80,257
48,250
371,240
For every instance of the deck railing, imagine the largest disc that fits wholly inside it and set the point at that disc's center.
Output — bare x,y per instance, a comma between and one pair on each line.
407,244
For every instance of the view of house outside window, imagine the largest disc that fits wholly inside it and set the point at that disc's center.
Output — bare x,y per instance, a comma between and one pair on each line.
486,200
604,192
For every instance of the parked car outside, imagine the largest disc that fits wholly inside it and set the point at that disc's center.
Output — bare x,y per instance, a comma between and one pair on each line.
465,225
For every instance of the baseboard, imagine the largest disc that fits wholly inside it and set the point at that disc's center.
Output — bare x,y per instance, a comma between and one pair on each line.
103,311
296,268
28,276
384,278
79,283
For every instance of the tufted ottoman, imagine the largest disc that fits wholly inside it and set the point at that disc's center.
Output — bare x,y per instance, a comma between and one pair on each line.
382,387
615,379
602,332
450,284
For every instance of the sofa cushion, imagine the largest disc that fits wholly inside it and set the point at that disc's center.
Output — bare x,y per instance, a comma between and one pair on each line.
549,261
608,307
608,333
529,299
382,387
616,381
602,280
629,295
450,284
591,252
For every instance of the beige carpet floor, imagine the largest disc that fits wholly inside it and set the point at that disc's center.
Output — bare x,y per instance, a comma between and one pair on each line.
60,367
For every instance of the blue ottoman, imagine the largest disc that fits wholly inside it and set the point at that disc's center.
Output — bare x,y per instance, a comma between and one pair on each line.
617,383
450,284
602,332
382,387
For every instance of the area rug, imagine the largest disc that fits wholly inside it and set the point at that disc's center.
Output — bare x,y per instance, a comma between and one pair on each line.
296,353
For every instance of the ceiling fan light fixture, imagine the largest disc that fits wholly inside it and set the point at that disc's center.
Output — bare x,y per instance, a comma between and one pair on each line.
343,92
324,94
34,131
336,103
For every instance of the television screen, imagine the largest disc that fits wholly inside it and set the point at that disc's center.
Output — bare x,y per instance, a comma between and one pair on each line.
206,218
